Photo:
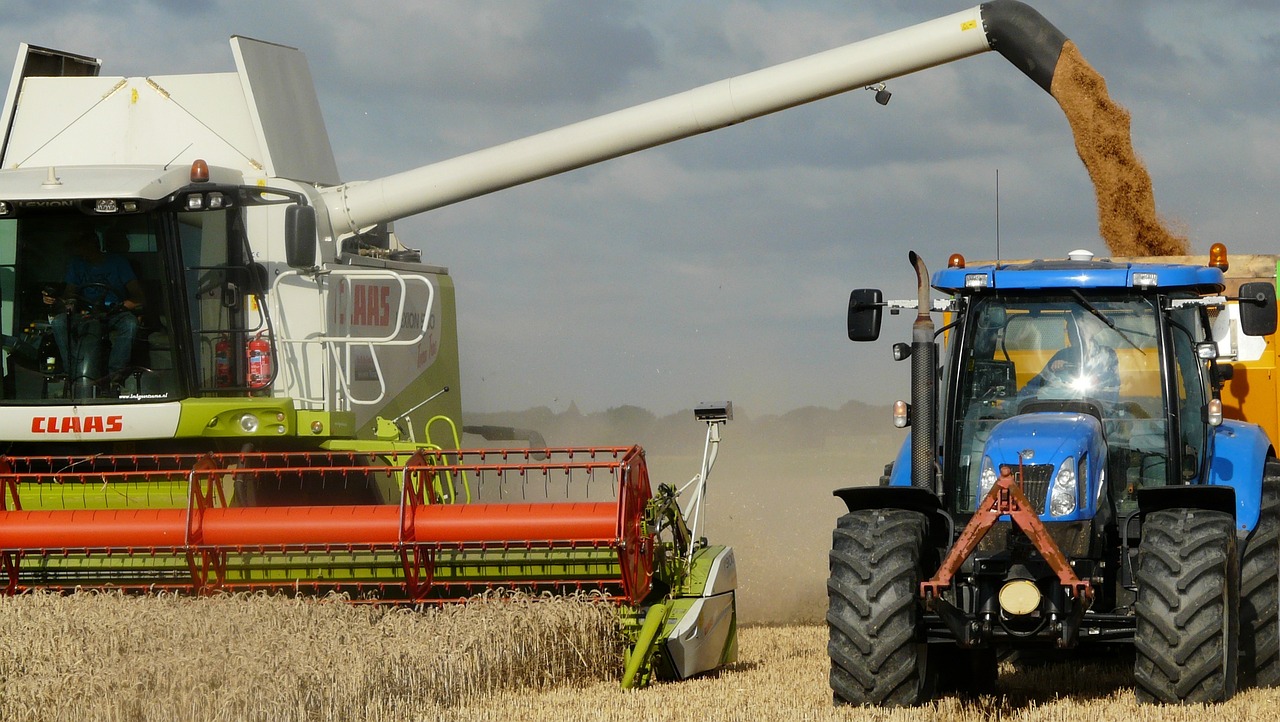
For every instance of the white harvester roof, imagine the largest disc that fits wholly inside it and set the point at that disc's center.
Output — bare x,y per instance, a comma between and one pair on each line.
264,119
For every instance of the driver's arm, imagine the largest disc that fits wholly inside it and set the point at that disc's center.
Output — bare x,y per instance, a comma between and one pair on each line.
68,295
135,298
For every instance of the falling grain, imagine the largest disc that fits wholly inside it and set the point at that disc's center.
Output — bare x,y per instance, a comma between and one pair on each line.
1127,216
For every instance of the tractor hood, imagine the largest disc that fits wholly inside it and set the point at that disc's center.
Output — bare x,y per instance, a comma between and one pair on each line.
1062,456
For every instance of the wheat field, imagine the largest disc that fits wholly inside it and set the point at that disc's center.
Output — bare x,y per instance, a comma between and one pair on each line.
108,657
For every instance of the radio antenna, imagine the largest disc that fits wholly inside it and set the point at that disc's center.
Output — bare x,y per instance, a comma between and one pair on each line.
997,215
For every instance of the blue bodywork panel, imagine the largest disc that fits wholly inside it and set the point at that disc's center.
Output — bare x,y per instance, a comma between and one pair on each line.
1053,438
901,474
1239,455
1080,274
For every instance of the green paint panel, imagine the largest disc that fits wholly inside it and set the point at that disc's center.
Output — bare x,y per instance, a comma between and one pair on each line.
333,569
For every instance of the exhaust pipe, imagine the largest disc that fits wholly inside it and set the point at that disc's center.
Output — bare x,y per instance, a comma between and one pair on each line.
924,364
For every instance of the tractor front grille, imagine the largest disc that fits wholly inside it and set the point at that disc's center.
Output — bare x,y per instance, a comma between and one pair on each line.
1035,484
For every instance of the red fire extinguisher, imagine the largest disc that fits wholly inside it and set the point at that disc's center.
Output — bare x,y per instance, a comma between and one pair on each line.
222,361
258,354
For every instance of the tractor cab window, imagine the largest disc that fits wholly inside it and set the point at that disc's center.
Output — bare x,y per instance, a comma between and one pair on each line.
83,311
1097,355
1190,386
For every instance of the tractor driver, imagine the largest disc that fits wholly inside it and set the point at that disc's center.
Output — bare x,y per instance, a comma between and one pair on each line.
1085,366
101,297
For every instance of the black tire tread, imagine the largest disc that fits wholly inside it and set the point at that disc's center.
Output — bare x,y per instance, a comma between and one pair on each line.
1260,590
872,614
1188,591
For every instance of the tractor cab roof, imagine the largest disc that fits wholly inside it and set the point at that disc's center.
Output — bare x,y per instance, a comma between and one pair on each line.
1080,273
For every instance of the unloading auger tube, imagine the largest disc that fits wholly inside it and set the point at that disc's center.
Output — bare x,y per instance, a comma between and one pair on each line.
1011,28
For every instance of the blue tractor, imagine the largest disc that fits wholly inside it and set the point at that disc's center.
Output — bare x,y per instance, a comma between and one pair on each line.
1068,482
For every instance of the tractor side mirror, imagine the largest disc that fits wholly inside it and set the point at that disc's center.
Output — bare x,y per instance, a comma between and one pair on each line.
865,306
1258,308
300,236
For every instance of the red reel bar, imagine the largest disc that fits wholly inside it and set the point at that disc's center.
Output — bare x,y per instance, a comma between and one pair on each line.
310,526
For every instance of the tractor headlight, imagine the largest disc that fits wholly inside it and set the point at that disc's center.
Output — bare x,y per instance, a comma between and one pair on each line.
1062,500
987,478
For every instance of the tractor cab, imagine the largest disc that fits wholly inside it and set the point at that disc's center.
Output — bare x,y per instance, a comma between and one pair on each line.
1091,366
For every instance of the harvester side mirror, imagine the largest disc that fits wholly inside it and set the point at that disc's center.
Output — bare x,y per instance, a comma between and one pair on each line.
1258,308
865,306
300,236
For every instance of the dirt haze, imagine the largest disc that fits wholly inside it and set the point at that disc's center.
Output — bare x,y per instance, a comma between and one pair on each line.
769,494
1127,218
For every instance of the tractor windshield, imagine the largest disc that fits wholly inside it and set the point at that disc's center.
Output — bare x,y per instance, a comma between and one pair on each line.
93,308
1024,354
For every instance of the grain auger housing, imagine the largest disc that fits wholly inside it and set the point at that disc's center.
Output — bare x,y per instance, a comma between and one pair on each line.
224,370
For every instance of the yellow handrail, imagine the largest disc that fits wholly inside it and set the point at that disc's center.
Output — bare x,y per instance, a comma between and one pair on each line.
457,445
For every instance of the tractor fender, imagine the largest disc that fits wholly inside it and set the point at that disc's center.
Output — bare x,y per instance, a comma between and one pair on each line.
1240,453
908,498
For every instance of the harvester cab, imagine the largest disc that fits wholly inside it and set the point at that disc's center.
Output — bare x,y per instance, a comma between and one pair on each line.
1069,480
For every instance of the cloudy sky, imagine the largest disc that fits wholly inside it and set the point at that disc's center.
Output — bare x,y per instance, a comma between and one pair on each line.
719,266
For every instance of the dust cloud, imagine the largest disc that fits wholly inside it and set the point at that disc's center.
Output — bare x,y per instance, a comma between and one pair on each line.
1127,217
769,495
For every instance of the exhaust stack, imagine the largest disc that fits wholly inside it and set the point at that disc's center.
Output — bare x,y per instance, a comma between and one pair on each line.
924,367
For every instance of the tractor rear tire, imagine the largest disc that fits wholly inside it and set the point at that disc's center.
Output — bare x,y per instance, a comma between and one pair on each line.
1188,607
1260,590
877,649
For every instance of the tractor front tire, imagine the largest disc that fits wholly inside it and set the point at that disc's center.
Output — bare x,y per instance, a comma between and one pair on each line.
1188,607
878,654
1260,590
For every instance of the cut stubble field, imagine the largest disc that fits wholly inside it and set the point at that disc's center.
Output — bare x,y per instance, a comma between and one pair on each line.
106,657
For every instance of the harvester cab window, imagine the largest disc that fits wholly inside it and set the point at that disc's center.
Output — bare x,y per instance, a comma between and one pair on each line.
1052,353
8,287
223,312
82,310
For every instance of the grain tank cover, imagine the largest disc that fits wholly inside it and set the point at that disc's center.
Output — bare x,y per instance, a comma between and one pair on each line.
262,120
34,61
282,101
